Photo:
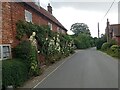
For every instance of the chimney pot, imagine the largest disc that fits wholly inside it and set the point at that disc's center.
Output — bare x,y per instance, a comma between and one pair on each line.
49,8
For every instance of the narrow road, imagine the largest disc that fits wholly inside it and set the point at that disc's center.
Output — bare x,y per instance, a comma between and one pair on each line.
86,69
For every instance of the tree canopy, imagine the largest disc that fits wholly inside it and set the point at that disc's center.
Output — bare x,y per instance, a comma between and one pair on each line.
82,36
80,28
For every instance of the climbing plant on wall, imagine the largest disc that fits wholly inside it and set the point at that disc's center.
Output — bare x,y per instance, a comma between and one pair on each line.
51,44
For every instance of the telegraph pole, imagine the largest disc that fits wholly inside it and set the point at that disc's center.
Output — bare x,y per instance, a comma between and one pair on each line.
98,31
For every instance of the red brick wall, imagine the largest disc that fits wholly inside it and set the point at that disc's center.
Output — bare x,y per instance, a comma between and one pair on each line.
118,40
6,23
12,12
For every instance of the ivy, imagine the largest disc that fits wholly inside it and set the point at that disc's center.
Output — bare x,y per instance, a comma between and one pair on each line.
51,44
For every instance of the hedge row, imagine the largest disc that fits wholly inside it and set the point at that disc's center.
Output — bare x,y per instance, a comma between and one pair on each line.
52,45
14,73
28,55
111,48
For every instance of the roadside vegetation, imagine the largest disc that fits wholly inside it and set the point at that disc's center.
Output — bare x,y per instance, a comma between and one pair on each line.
82,37
111,47
26,63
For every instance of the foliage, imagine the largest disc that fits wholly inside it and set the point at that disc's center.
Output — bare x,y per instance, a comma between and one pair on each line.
100,41
14,73
82,36
112,42
106,46
80,28
83,41
22,51
28,55
111,48
50,43
114,47
94,41
114,51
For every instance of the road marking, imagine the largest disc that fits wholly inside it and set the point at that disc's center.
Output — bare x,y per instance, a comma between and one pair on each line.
53,71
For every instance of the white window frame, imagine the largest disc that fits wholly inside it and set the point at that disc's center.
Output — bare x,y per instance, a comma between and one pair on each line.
27,17
50,25
1,46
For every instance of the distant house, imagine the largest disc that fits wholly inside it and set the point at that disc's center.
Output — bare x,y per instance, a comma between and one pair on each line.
113,32
12,12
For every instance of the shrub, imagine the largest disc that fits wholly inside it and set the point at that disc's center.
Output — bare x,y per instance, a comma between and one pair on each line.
105,46
14,73
115,51
23,51
28,55
99,43
112,42
114,47
46,40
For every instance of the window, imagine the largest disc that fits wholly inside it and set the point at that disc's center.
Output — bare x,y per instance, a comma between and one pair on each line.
63,31
5,52
50,25
28,16
58,30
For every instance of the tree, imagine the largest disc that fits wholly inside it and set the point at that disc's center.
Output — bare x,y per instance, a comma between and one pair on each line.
80,28
83,41
82,36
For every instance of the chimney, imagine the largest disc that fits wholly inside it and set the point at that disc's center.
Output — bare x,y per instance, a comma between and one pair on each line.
49,8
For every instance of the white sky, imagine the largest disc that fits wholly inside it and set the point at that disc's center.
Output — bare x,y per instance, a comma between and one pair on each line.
90,13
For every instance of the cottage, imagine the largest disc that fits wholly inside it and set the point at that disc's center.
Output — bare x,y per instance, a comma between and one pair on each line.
113,32
12,12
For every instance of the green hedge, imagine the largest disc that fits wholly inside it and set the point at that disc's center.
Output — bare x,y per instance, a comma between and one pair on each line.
14,73
105,46
28,55
115,51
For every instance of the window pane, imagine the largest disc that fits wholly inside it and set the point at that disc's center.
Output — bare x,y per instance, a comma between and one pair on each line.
28,16
50,25
6,52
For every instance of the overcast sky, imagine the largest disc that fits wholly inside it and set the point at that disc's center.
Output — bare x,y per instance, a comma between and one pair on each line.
69,12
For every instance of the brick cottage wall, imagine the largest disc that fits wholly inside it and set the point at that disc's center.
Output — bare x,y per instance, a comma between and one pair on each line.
12,12
7,35
118,40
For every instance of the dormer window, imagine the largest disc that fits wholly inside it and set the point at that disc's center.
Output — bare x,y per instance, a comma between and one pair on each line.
28,16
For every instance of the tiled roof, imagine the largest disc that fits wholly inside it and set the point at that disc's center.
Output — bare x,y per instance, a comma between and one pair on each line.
46,14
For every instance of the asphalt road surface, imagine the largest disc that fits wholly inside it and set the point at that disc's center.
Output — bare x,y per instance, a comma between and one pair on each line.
86,69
